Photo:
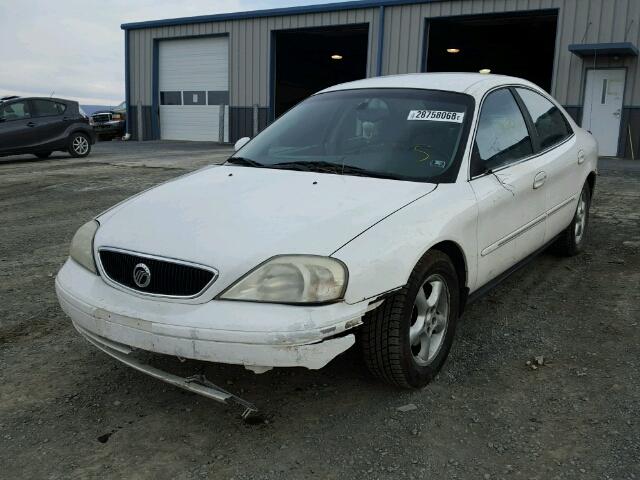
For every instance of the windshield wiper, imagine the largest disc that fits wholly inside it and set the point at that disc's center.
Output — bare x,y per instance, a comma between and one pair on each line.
245,162
329,167
313,166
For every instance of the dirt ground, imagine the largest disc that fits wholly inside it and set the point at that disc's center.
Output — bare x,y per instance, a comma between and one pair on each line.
68,411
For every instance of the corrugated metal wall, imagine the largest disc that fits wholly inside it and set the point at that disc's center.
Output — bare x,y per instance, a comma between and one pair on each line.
607,21
249,44
579,21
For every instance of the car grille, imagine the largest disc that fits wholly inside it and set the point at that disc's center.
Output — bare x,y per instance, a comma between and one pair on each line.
101,117
166,277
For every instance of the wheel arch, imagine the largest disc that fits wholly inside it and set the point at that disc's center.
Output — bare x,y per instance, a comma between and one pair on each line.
454,251
591,180
80,128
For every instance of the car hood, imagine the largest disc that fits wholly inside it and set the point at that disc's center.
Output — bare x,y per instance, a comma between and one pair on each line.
233,218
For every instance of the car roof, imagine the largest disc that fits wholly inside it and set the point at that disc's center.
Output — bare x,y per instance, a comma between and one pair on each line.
16,97
53,99
473,83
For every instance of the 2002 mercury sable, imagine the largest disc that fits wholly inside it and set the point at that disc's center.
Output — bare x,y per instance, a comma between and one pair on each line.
372,210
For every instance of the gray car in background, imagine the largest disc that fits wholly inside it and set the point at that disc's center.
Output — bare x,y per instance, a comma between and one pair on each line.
43,125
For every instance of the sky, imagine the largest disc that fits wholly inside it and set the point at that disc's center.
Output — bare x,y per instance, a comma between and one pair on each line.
75,48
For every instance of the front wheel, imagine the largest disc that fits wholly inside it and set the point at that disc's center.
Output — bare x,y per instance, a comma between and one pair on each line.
571,241
79,145
406,340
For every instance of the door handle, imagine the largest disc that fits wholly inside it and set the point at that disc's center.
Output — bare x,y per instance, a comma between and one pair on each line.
31,124
580,157
539,179
617,113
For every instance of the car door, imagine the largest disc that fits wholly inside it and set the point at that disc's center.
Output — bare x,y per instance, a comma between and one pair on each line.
16,126
506,177
50,122
562,157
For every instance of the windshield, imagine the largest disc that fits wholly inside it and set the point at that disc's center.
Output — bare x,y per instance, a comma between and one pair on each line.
406,134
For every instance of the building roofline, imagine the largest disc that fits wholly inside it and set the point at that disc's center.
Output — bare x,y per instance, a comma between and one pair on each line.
272,12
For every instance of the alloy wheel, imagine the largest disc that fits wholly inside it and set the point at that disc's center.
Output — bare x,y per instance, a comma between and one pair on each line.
581,217
80,145
429,319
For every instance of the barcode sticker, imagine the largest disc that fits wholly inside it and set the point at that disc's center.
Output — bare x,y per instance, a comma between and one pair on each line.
436,116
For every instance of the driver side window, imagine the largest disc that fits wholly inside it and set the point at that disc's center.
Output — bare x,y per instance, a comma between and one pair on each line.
502,137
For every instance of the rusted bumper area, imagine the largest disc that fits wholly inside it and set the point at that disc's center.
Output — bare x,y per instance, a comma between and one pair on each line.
196,383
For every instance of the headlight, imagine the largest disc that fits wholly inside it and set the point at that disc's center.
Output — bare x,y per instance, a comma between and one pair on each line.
116,116
82,245
292,279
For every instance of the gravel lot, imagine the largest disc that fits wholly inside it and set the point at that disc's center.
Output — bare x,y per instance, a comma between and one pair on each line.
69,411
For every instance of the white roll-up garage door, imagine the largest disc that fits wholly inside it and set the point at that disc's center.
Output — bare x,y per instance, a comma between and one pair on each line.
193,81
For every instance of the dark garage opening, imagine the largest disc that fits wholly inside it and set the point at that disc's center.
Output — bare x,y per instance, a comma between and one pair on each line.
522,45
304,63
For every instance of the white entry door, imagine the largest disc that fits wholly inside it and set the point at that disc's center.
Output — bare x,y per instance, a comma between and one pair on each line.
602,111
193,87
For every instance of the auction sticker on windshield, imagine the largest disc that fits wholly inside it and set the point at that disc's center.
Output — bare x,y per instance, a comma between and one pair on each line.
436,116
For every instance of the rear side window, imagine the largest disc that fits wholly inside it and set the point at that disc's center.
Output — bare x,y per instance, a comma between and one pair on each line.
551,125
47,108
14,111
502,136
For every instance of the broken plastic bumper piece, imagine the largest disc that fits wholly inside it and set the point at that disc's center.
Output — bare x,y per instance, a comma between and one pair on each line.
195,383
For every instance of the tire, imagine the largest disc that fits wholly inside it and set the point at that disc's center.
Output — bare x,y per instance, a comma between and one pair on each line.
79,145
572,240
385,335
43,154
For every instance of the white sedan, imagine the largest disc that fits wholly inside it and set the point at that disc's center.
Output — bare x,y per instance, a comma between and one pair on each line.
371,212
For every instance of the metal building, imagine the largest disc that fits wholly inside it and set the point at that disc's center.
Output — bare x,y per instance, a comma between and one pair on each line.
222,77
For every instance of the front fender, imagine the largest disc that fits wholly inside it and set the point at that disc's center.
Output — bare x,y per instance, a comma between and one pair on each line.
382,258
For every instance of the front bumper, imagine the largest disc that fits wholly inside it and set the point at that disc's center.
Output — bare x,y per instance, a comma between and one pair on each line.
113,127
258,336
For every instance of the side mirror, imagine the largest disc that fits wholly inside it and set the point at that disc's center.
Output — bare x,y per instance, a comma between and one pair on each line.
241,143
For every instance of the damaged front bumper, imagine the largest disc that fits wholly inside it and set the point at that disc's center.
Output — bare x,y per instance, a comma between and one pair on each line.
196,383
258,336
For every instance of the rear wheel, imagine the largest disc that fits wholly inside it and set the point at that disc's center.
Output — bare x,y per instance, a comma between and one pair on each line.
79,145
571,241
43,154
406,340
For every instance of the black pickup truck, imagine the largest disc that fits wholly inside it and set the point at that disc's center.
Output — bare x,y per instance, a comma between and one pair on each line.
110,124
